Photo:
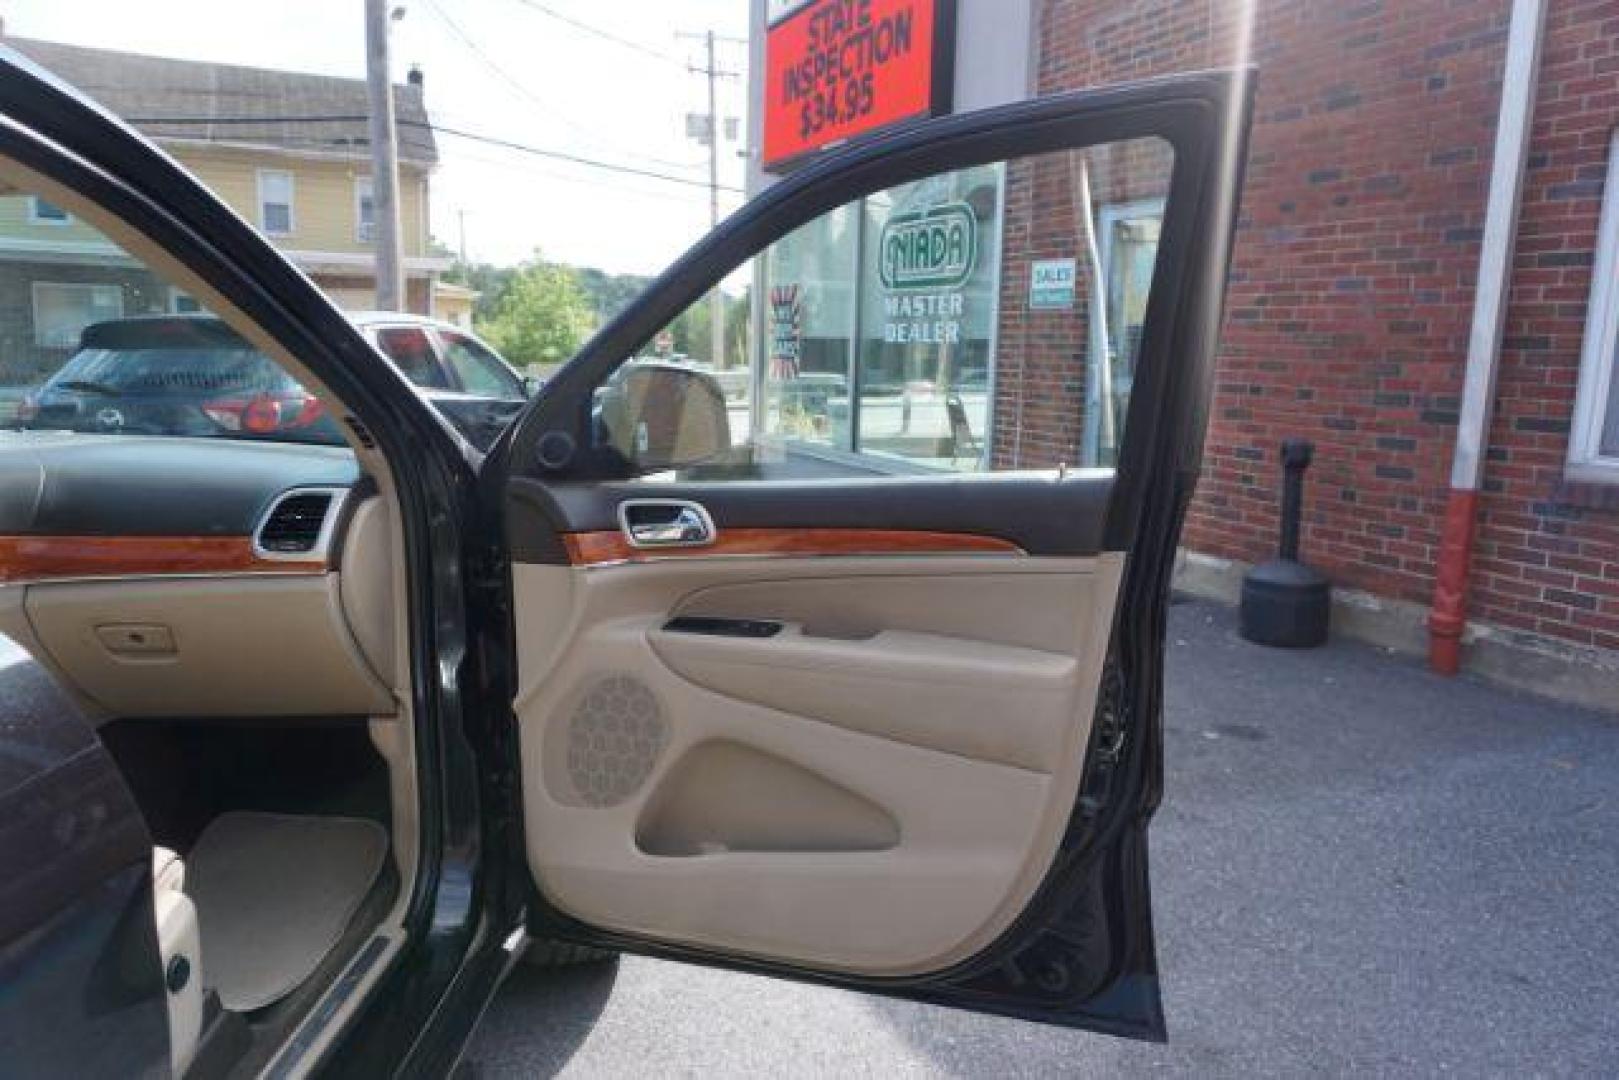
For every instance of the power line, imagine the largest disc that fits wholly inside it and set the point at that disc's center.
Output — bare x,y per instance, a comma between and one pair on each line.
629,186
470,121
692,197
473,136
517,85
561,156
605,35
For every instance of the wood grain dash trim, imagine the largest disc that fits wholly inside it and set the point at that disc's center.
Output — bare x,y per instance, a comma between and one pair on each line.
610,546
43,558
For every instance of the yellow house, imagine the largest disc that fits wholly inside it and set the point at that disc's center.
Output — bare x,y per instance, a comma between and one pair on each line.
290,152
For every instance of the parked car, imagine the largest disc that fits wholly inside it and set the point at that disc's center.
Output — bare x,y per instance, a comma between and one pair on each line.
193,375
305,746
175,375
469,382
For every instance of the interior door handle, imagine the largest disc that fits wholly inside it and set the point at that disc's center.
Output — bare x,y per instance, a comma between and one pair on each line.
657,523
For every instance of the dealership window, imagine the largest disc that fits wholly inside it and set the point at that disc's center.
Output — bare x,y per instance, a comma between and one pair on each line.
909,331
812,285
1127,249
876,348
62,311
44,212
275,201
365,210
927,319
1593,451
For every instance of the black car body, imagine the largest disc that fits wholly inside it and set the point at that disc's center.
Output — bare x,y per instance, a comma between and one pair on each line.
560,548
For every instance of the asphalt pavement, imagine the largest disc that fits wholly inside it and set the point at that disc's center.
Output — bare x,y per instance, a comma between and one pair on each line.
1359,868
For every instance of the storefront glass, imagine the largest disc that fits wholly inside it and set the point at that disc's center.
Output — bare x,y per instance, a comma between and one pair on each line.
810,292
1128,251
987,318
928,283
880,322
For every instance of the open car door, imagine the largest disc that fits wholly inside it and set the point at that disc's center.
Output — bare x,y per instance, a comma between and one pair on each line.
839,658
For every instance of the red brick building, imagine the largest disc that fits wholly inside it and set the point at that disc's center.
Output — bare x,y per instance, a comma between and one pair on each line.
1352,295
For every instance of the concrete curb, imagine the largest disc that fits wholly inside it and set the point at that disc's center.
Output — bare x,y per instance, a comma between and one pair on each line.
1577,674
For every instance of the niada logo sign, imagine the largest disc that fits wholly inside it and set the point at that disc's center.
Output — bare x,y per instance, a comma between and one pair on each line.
936,248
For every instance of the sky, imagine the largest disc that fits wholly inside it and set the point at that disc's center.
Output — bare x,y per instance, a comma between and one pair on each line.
524,71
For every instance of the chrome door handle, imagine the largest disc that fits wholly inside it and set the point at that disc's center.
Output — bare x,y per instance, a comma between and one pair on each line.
657,523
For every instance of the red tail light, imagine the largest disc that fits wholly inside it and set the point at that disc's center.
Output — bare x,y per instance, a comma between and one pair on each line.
263,414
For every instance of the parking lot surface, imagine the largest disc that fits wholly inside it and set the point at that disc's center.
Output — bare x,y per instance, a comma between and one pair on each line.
1358,868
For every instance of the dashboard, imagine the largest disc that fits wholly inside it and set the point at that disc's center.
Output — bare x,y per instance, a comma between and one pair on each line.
198,578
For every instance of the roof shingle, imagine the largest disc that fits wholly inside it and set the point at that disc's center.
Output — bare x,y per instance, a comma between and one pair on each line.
223,103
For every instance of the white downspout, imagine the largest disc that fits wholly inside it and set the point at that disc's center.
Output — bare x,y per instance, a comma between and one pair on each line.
1513,128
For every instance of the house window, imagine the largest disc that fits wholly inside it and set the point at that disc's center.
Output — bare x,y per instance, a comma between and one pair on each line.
182,302
1593,447
42,212
62,311
275,202
365,210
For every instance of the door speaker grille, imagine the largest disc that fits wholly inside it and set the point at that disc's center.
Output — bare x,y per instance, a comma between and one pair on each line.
615,735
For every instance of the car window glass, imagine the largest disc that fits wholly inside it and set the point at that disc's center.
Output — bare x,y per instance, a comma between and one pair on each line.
163,369
412,352
479,370
91,344
984,319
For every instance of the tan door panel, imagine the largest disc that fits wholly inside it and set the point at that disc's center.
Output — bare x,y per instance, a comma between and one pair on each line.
880,794
928,690
724,796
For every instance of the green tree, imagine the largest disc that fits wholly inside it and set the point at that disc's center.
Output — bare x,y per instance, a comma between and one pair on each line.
541,315
611,293
693,328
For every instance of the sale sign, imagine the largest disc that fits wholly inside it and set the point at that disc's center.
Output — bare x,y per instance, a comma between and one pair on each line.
839,68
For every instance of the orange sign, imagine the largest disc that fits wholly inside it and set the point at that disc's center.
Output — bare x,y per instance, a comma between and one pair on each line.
839,68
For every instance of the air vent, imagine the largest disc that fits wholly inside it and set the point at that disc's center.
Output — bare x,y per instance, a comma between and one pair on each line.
297,525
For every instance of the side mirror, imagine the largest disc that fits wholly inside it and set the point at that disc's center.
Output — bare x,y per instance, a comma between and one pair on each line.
659,416
531,385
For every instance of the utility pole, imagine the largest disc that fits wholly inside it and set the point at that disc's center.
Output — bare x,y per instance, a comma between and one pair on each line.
714,130
718,301
384,160
461,218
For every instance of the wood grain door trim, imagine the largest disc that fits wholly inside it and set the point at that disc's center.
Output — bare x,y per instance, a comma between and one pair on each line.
45,558
610,546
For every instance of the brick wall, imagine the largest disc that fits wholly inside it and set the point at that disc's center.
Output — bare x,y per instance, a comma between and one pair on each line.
1044,355
1548,552
1039,398
1352,284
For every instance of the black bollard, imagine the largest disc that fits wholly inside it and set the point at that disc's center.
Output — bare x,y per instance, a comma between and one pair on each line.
1284,602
